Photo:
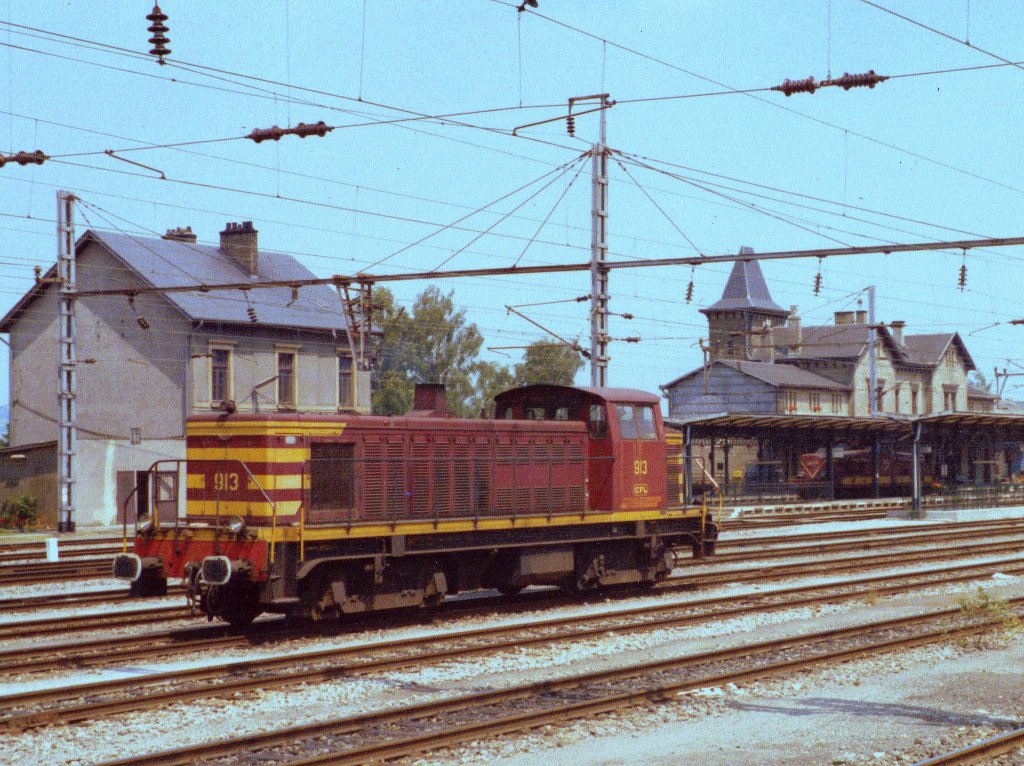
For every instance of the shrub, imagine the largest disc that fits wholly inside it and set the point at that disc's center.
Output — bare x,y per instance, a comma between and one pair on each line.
19,512
1003,622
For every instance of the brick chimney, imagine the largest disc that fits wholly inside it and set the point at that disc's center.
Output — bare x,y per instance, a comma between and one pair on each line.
238,242
180,234
862,316
897,331
845,317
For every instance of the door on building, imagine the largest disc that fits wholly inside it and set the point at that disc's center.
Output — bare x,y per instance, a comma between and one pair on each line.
132,495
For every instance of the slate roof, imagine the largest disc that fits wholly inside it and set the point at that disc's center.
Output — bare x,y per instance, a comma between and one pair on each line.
746,289
928,349
776,375
977,392
845,341
174,263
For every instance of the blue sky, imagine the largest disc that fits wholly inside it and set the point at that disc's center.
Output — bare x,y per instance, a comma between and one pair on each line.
930,157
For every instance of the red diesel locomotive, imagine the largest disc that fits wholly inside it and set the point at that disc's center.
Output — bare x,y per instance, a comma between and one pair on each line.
316,515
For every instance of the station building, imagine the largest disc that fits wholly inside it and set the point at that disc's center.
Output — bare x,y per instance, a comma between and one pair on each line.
147,362
808,389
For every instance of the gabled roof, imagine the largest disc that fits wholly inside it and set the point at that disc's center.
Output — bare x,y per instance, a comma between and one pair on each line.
929,349
174,263
775,375
977,392
746,290
843,341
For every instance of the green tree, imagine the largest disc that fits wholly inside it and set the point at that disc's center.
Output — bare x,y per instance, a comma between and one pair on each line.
976,378
546,362
433,343
491,380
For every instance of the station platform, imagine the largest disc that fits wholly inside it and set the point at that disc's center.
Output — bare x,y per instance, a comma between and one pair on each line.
961,514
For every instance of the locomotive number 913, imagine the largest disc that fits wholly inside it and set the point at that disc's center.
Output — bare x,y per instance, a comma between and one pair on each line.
316,516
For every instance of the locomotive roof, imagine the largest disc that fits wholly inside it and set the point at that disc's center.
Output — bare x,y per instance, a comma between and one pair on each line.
613,395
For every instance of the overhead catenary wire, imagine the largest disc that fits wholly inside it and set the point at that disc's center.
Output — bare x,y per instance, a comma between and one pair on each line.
777,105
940,33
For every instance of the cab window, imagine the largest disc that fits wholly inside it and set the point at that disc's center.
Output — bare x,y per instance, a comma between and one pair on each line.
645,423
597,425
627,421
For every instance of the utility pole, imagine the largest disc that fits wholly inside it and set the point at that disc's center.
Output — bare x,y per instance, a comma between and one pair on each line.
68,376
872,355
357,300
599,255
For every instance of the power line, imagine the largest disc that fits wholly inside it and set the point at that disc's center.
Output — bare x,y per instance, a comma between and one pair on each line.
940,33
775,104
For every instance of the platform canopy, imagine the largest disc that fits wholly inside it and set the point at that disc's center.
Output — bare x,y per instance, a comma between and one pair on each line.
965,424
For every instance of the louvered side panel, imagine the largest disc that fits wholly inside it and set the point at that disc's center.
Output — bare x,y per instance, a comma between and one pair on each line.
673,471
397,506
373,478
462,477
442,479
420,474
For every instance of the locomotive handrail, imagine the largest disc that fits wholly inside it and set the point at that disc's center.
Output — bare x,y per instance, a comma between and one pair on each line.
266,497
154,510
703,501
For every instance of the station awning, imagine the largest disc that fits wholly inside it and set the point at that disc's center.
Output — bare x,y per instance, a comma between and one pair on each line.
979,424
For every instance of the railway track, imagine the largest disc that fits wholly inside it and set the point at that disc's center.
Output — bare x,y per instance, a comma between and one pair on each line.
57,600
54,571
683,579
120,649
979,752
421,727
141,691
65,552
859,539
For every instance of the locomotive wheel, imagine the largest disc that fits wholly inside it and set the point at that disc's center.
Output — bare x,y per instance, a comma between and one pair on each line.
318,601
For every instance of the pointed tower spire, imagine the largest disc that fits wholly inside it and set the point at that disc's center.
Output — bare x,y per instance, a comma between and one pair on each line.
746,308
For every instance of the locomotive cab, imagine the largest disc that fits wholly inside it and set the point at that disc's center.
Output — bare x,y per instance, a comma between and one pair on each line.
626,452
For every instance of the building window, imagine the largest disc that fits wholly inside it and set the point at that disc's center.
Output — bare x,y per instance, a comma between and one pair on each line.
879,396
286,378
790,401
814,400
913,400
838,402
346,397
950,358
949,398
896,400
220,375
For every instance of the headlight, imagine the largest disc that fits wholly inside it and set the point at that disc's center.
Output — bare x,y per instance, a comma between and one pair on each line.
144,523
236,525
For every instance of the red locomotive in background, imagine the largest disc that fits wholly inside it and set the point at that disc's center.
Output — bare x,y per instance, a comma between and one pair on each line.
314,515
853,471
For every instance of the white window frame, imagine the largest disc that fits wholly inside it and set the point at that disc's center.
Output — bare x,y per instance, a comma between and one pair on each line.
294,351
349,405
229,384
